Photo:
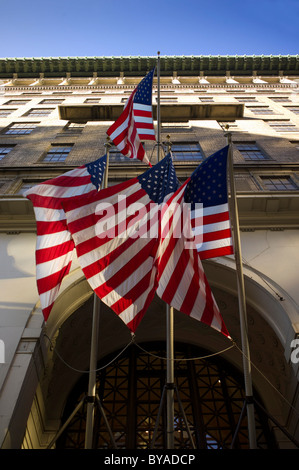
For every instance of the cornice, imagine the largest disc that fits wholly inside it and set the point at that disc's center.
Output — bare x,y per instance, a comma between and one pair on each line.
257,211
139,65
234,87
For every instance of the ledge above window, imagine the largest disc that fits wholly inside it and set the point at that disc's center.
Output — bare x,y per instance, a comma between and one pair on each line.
176,112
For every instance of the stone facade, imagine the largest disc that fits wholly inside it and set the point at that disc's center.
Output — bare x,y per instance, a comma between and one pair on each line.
69,104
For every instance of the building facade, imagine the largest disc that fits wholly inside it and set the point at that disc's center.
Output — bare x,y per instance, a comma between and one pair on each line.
54,114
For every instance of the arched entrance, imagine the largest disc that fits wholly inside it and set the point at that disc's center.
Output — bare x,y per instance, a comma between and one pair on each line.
130,388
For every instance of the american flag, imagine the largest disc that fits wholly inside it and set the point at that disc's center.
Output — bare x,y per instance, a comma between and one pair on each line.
207,193
136,121
181,281
116,238
54,245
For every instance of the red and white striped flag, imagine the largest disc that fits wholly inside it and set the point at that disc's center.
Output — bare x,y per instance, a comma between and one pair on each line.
181,281
116,238
54,245
207,193
136,121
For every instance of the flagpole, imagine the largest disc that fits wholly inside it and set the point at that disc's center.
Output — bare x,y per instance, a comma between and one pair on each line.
91,397
170,367
158,109
242,303
170,378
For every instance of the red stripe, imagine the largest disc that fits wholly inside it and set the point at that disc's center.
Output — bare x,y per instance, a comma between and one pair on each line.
47,311
90,221
119,138
68,181
191,295
178,271
131,296
46,228
215,253
78,202
47,283
45,201
144,125
121,119
217,235
142,113
48,254
124,273
214,218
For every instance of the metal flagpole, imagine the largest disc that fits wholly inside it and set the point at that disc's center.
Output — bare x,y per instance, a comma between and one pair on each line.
91,398
158,109
170,378
242,303
170,369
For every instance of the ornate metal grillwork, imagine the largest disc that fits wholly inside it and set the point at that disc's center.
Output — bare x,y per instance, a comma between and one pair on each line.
130,391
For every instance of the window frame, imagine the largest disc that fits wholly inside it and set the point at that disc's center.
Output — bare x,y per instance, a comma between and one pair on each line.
251,150
49,155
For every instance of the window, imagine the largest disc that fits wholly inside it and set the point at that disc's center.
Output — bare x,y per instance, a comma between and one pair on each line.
250,151
175,127
74,128
279,99
58,153
260,109
186,151
247,99
25,187
92,100
167,99
278,183
294,109
116,157
62,92
21,128
4,150
39,112
6,112
206,99
283,126
53,101
18,102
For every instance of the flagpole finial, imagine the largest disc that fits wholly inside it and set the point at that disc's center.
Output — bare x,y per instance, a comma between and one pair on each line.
168,143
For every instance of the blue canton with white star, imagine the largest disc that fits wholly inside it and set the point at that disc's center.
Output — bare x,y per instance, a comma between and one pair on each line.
143,93
208,184
160,180
96,170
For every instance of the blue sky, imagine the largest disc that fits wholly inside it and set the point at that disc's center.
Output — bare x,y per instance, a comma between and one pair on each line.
69,28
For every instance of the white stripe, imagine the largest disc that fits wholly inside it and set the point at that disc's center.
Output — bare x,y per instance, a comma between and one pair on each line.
130,313
47,298
199,210
143,119
43,214
209,228
142,131
47,268
58,192
215,244
120,129
200,302
142,107
122,289
52,239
